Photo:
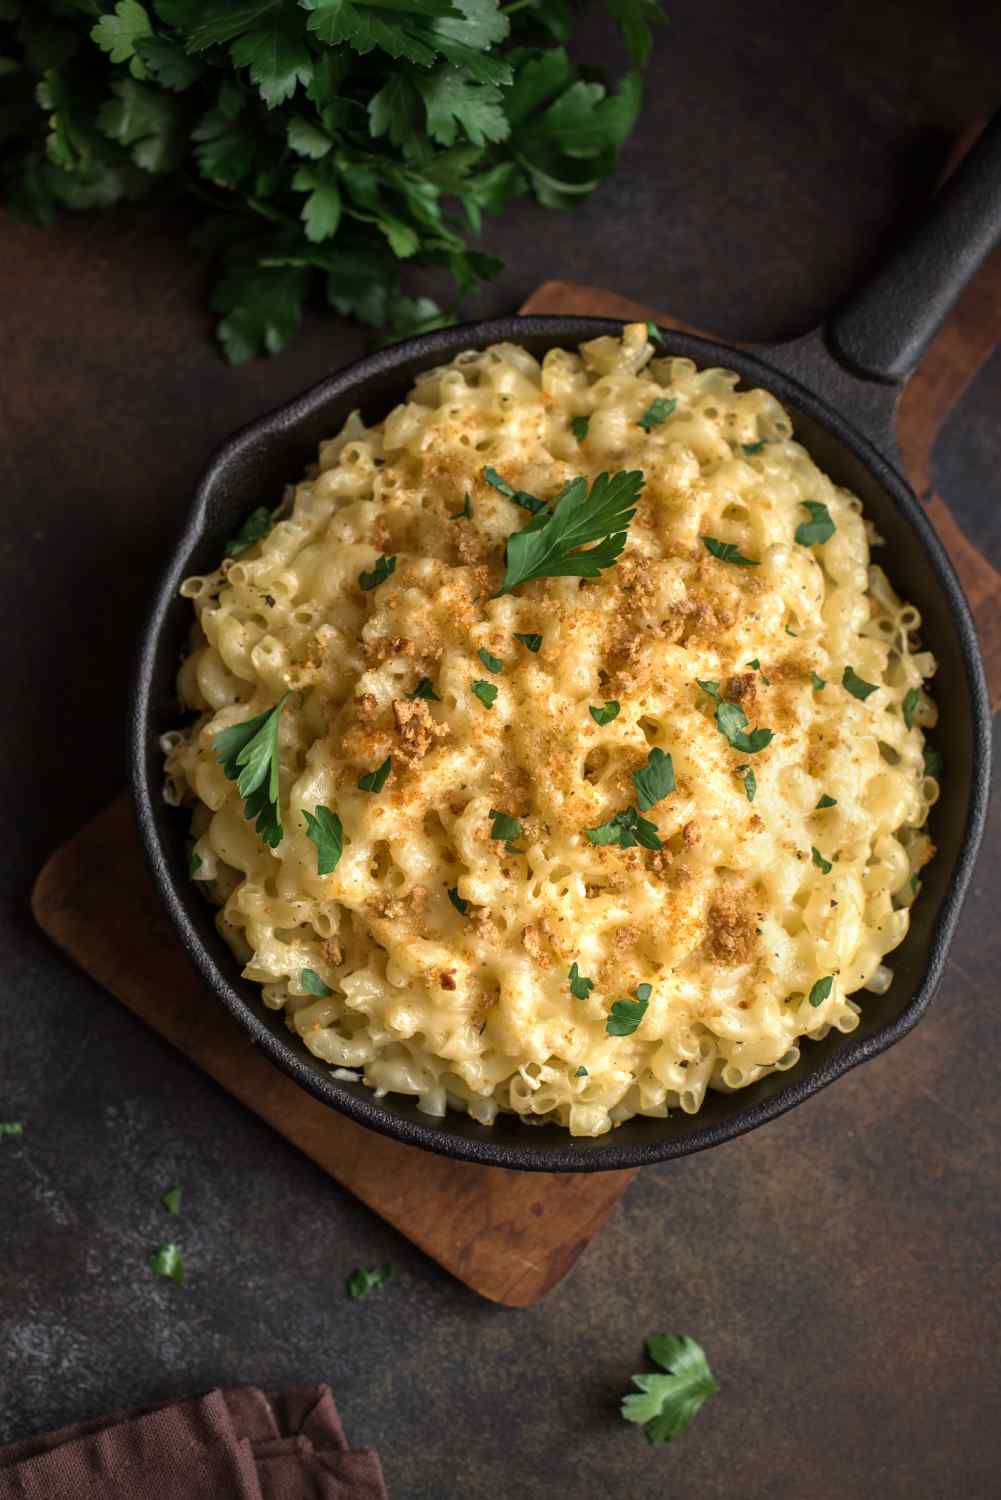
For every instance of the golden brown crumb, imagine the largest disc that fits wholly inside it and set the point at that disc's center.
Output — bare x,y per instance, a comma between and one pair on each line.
382,647
730,929
417,729
742,689
536,946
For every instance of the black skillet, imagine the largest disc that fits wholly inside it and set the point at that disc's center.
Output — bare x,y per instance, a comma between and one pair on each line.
841,385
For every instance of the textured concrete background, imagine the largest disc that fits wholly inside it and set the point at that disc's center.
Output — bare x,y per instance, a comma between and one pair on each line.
840,1266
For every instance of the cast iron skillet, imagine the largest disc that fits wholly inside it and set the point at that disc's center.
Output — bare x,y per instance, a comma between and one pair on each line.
841,386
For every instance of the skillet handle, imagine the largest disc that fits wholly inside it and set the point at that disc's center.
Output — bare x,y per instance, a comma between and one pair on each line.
883,330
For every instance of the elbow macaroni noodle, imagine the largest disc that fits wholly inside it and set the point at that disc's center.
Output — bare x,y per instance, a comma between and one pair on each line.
734,920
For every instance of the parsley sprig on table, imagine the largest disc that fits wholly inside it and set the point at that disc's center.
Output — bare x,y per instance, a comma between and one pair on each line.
669,1402
323,144
249,756
548,546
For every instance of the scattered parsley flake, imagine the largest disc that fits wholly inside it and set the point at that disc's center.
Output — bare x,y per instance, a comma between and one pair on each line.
655,780
657,413
194,865
752,448
822,864
314,985
528,502
581,1073
171,1200
492,663
167,1262
485,691
668,1403
934,762
325,830
530,642
367,1279
580,985
819,528
653,333
605,715
424,689
820,991
384,566
731,721
727,552
711,686
579,426
505,827
254,529
457,901
374,781
626,1015
911,701
627,829
757,667
857,685
750,781
547,546
466,513
248,753
818,683
11,1127
826,801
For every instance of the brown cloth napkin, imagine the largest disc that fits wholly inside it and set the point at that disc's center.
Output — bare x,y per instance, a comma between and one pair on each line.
229,1445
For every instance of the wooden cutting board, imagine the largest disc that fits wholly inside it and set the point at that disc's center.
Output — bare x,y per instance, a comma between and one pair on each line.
510,1236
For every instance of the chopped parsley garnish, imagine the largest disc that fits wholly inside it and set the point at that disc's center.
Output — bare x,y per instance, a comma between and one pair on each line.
367,1279
194,865
728,552
581,1073
934,762
248,753
11,1127
911,701
826,801
457,901
655,780
167,1262
492,663
171,1200
465,513
819,528
750,781
424,689
790,631
580,985
547,546
731,721
530,642
374,781
653,333
818,683
757,667
626,1015
822,864
627,829
669,1403
579,426
505,827
657,413
605,715
485,691
254,529
528,502
314,985
325,830
384,566
857,685
820,991
751,448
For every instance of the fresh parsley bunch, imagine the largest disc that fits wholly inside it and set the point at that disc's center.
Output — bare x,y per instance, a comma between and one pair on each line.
325,142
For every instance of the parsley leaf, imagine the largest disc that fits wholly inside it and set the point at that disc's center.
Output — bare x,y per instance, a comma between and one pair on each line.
383,568
656,413
504,826
756,665
605,715
819,528
167,1262
527,502
580,985
728,552
581,1073
465,514
626,1015
457,901
653,333
249,756
752,448
254,529
485,691
655,780
530,642
492,663
118,33
424,689
668,1404
856,685
11,1127
911,701
325,830
627,829
171,1200
820,991
750,781
314,985
822,864
579,426
731,721
374,781
818,683
367,1279
547,547
934,762
826,801
194,865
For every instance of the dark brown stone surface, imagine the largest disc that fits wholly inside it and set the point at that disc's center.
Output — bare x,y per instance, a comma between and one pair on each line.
840,1266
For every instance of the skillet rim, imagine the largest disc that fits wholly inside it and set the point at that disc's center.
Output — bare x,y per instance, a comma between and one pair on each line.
559,1153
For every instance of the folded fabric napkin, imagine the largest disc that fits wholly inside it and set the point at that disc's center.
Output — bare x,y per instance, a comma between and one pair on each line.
229,1445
